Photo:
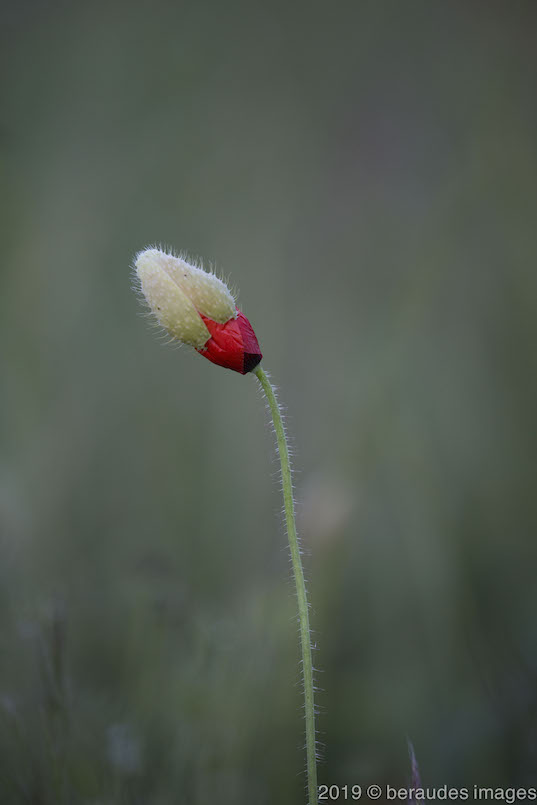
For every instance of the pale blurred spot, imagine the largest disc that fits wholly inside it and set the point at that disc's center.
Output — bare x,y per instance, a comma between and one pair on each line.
8,704
326,502
124,748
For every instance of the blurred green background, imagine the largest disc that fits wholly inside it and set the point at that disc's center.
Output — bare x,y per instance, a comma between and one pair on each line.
366,174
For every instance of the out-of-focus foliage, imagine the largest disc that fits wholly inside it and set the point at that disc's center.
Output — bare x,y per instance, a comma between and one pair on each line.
366,174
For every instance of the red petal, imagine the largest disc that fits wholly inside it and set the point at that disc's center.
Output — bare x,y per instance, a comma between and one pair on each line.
232,345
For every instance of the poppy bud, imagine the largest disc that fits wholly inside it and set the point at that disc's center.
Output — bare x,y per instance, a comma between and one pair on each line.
197,308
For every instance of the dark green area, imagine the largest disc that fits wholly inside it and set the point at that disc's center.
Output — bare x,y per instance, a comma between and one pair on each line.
366,174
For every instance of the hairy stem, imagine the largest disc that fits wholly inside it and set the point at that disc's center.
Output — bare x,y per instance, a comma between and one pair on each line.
303,616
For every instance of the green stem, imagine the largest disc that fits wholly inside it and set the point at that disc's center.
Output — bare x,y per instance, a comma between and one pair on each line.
303,616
